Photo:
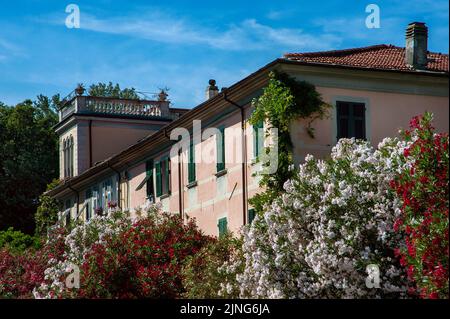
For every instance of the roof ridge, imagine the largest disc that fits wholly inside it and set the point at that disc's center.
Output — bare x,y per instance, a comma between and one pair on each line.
342,51
351,50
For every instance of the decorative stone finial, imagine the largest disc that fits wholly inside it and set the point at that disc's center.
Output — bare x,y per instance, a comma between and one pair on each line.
162,96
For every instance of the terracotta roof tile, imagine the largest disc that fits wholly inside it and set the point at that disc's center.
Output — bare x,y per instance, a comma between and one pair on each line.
383,57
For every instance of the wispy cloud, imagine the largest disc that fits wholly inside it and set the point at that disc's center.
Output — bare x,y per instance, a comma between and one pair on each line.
354,29
278,14
8,49
247,35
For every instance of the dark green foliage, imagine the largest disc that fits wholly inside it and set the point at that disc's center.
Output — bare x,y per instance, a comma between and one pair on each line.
16,241
47,211
284,100
202,273
28,159
111,90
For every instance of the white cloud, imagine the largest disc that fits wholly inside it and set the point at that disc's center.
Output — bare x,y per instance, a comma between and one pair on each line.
8,50
276,15
244,36
354,28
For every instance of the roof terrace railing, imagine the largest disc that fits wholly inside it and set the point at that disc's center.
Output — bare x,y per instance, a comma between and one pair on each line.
114,106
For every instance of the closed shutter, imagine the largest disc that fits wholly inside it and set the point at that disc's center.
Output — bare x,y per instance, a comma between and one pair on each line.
223,225
221,150
251,215
149,178
68,211
88,204
258,139
351,120
191,165
158,179
166,189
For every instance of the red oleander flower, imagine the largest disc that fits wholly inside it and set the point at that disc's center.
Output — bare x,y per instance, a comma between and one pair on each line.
423,189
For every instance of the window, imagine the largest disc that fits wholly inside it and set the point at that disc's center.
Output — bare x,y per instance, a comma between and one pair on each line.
96,199
191,163
71,157
65,161
149,180
223,226
68,156
107,192
68,211
251,215
258,139
351,120
88,207
162,169
220,139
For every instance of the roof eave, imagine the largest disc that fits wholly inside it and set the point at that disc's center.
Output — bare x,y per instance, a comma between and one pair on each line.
341,66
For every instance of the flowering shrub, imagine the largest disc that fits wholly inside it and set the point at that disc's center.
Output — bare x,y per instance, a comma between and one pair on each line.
335,218
119,257
73,247
20,273
143,261
204,273
423,189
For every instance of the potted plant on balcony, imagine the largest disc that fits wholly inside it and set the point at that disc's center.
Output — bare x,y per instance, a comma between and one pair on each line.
79,90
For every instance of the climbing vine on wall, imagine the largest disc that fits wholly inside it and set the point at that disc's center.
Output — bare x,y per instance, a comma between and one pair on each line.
284,100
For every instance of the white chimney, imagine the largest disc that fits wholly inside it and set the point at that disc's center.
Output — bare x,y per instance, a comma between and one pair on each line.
416,45
211,90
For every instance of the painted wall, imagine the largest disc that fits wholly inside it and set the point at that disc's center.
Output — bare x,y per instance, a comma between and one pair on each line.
110,138
386,113
214,197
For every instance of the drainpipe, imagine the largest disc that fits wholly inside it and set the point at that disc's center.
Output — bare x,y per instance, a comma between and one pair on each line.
118,186
180,180
90,143
180,185
244,156
78,197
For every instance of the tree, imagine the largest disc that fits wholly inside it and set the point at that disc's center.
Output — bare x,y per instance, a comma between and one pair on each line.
47,211
110,90
28,158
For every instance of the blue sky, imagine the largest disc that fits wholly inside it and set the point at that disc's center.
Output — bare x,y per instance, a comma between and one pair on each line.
181,44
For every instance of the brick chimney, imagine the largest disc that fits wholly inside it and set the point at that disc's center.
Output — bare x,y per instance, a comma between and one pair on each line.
416,45
211,90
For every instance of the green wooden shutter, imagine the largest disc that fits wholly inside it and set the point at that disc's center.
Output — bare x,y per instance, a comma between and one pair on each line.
223,225
149,173
158,179
251,215
221,150
191,165
258,139
88,204
167,176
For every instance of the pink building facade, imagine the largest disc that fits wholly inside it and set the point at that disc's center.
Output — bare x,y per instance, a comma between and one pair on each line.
131,161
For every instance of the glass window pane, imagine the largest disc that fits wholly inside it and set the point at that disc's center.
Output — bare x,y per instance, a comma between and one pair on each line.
343,108
359,129
343,128
358,109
